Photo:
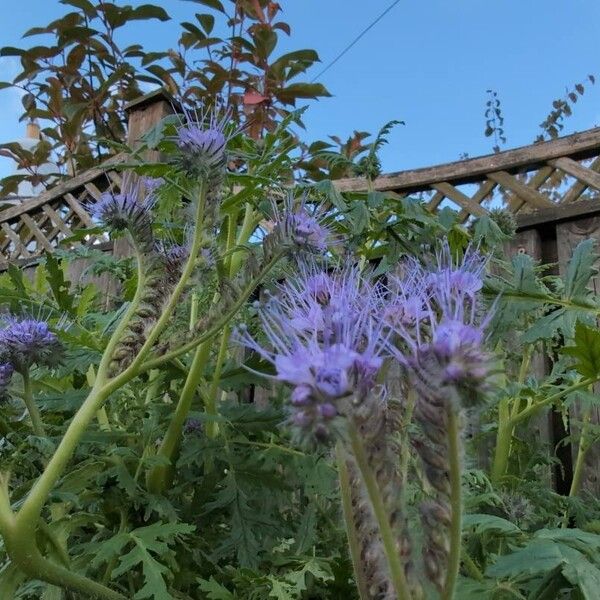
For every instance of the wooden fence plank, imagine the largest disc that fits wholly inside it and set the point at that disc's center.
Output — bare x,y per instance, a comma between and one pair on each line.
568,235
79,210
18,242
573,168
578,187
526,193
56,220
579,145
461,199
37,232
61,188
537,179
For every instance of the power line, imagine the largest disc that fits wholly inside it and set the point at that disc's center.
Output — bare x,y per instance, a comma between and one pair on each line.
356,39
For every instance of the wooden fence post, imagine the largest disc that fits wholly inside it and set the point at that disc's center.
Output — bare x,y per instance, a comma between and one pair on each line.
568,235
144,113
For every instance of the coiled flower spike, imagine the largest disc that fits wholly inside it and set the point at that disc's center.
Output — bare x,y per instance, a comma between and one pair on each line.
6,373
130,209
327,339
329,352
301,225
202,139
442,350
25,342
445,345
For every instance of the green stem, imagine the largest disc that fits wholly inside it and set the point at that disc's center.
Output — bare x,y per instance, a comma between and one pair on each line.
527,352
188,269
212,427
31,509
7,515
102,374
531,410
158,477
21,547
470,566
353,545
218,325
374,493
248,226
32,409
56,544
194,310
503,441
507,423
584,445
454,451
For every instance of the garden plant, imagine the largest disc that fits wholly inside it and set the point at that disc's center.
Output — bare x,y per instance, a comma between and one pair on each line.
290,394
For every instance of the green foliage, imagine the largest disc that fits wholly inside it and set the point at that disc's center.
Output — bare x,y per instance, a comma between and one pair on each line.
78,83
586,350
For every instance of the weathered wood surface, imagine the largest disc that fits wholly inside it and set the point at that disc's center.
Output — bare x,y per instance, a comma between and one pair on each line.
568,235
578,146
530,181
41,224
525,179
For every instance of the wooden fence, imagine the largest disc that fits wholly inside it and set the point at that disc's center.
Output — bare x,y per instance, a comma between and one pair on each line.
552,187
540,177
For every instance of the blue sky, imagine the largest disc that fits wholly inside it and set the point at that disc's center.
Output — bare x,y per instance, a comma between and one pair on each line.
428,63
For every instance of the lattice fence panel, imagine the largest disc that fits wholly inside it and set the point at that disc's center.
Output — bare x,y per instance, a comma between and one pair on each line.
44,223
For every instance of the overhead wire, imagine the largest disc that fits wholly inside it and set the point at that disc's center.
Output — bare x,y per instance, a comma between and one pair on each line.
355,40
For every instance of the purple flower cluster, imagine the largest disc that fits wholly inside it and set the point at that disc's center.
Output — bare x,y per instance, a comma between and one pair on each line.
328,333
202,139
301,225
325,341
25,342
440,322
129,209
6,373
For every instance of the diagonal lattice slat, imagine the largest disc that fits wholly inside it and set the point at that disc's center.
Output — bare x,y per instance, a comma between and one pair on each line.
525,180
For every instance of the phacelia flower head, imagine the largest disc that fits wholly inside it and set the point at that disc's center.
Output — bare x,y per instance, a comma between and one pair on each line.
25,342
328,346
130,209
202,140
6,373
301,225
444,347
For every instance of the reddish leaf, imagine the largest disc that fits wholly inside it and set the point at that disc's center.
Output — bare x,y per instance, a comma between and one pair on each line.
253,97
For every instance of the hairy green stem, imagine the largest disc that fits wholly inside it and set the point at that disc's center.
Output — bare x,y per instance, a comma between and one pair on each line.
248,227
470,566
216,327
503,441
212,427
32,409
454,452
396,568
507,424
548,401
115,338
20,544
30,511
55,543
158,477
584,446
353,545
